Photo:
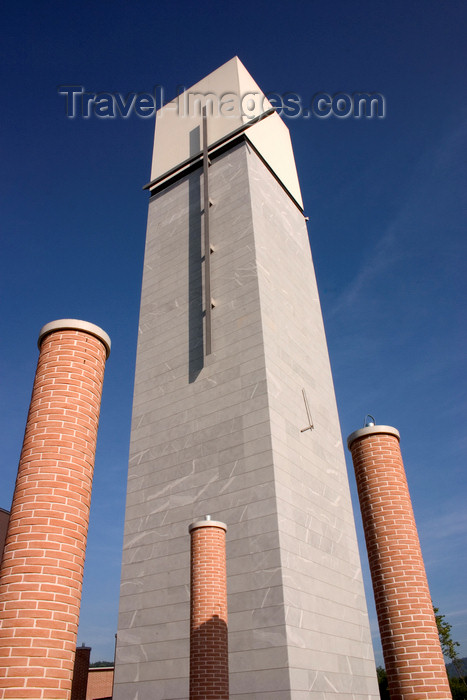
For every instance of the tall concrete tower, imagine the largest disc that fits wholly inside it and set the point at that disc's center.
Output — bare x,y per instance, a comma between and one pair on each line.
234,415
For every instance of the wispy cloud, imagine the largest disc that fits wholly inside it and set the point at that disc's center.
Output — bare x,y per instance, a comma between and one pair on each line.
448,525
443,537
409,233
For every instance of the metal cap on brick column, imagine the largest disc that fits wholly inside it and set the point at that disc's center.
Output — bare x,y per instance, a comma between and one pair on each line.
42,566
412,653
372,430
209,666
75,324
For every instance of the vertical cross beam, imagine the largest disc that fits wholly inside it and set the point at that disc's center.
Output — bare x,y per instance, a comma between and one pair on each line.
207,245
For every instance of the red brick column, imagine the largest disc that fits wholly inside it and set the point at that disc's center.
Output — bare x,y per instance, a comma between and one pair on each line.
209,663
4,520
79,685
42,566
412,653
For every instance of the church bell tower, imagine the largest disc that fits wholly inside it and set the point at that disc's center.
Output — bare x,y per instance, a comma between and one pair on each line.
234,415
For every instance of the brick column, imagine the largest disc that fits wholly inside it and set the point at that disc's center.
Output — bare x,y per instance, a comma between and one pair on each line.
79,685
4,520
42,566
209,663
412,652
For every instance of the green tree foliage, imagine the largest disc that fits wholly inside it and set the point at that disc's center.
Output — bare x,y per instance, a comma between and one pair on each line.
101,664
458,688
449,649
383,683
448,645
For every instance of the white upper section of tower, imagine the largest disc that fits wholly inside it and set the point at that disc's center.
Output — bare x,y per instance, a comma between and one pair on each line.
232,99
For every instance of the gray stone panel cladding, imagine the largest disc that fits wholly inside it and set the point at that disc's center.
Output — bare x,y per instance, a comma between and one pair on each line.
220,435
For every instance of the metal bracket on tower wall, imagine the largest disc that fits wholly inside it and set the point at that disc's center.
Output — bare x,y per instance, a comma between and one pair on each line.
310,425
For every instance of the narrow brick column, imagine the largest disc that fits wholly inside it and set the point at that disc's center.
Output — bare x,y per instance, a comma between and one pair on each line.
42,566
79,685
412,652
209,663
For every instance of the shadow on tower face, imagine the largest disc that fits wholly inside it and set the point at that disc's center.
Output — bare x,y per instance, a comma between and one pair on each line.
195,261
209,661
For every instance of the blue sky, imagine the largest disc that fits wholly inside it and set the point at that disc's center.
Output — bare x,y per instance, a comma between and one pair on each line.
385,197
